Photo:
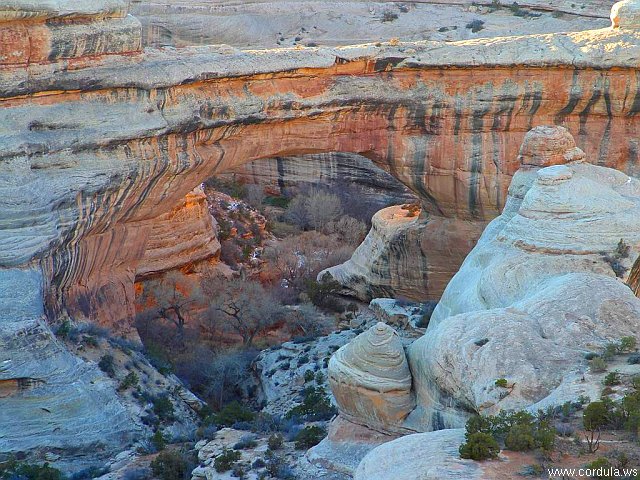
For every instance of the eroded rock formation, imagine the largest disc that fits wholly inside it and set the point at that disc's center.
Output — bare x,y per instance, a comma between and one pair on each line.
286,23
422,456
371,381
407,255
543,287
182,237
358,180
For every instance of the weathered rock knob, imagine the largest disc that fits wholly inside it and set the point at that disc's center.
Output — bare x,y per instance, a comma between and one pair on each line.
545,145
626,14
371,380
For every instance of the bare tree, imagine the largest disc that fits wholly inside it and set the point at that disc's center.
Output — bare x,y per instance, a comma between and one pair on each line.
296,212
308,320
322,207
351,230
301,258
244,307
255,195
169,299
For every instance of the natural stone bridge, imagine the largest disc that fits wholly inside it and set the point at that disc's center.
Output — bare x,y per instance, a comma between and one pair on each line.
98,138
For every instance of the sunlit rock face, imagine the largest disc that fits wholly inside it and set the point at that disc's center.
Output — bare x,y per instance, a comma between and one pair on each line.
535,295
287,23
184,236
76,177
371,381
626,14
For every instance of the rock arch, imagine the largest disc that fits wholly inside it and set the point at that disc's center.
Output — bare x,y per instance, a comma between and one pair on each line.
98,138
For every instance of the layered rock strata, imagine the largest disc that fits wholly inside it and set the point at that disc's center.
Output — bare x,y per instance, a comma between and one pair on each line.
422,456
356,178
371,381
541,288
184,236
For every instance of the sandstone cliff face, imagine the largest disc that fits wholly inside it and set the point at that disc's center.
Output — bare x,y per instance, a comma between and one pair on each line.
51,401
355,175
181,237
543,287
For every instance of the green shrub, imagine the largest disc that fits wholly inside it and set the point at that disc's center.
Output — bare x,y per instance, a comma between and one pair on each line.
170,466
520,438
107,365
597,364
158,441
13,470
519,430
502,383
131,380
479,446
275,442
226,460
64,330
627,344
610,351
534,470
309,376
280,202
163,408
322,293
600,464
612,378
309,437
232,413
315,406
90,340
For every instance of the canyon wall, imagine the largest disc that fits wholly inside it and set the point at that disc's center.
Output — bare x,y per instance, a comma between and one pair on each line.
99,138
358,181
405,255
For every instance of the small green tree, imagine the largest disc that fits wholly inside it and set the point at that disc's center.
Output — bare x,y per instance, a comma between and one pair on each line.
594,418
226,460
309,437
170,466
627,344
520,438
480,446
